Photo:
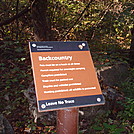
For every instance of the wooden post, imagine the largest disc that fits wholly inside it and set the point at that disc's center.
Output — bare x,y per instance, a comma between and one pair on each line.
67,121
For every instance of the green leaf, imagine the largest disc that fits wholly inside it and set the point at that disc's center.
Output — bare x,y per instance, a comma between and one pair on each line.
98,128
106,125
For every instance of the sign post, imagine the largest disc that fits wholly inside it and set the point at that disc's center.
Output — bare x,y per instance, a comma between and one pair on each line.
67,121
65,78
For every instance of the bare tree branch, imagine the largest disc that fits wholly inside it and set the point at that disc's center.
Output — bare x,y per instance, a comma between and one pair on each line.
8,21
78,19
101,19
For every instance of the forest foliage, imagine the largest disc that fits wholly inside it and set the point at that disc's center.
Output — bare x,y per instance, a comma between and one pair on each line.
106,26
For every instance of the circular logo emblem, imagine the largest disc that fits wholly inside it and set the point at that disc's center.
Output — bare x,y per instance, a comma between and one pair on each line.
81,46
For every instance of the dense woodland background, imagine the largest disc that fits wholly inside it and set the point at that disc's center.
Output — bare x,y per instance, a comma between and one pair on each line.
107,26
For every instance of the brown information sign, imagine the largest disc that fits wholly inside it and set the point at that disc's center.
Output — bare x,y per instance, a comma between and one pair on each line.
64,75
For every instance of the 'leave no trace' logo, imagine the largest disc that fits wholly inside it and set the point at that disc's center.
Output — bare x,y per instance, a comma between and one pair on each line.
43,106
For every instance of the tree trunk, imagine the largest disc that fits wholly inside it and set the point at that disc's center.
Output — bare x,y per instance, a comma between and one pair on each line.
131,56
41,20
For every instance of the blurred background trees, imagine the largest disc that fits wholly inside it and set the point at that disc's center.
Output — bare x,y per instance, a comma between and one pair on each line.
105,22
